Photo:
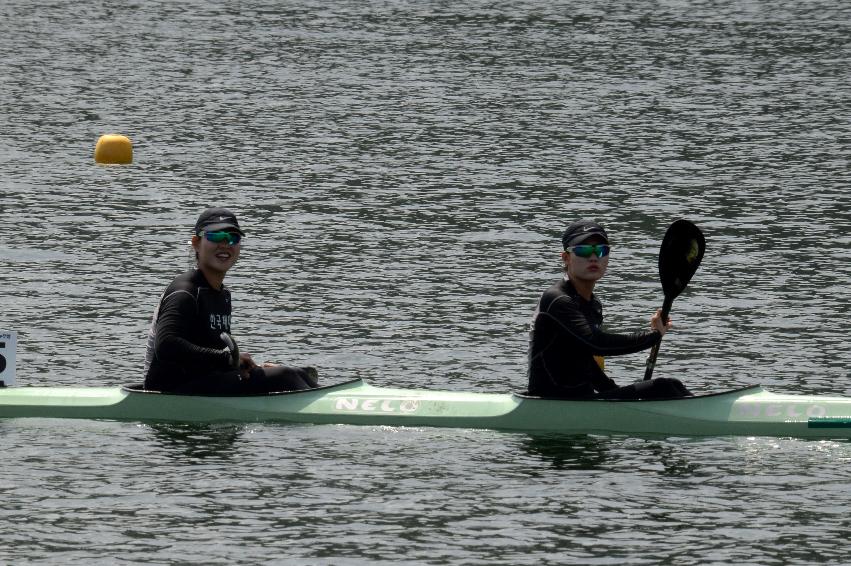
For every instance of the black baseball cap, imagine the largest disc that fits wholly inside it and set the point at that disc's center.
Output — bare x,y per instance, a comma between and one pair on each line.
581,230
214,219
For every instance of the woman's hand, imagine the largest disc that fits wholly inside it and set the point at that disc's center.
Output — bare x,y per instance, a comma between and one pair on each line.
657,324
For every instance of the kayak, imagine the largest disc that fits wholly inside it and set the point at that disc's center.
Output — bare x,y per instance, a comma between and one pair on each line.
750,411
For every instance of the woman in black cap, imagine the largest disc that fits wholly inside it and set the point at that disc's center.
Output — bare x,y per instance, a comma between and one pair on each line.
567,342
189,345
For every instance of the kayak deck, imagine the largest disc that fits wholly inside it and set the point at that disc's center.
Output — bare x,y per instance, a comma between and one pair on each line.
751,411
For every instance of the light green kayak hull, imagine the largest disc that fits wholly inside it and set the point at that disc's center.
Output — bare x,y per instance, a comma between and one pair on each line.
751,411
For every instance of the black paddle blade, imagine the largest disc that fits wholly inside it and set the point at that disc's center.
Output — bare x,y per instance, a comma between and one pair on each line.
679,257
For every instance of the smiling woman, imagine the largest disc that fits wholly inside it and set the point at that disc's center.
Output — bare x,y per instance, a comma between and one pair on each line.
189,345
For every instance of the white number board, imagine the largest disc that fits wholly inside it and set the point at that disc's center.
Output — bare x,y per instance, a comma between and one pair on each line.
8,342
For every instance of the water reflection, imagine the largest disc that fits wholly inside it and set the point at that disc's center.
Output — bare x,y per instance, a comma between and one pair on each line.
673,461
197,441
588,452
580,452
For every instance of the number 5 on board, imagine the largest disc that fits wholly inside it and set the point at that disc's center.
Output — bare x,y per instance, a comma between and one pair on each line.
8,342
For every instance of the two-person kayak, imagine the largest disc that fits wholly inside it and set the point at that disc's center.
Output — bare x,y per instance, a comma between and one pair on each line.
751,411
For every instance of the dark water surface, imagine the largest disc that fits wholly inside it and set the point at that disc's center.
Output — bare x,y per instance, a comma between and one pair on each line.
404,171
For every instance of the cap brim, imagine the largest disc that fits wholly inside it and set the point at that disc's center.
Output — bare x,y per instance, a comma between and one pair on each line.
583,237
223,226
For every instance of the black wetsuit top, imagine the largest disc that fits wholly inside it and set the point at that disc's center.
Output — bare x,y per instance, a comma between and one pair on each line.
184,343
566,335
185,353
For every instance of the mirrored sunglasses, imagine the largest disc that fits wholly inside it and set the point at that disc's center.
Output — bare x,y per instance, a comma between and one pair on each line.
232,238
585,250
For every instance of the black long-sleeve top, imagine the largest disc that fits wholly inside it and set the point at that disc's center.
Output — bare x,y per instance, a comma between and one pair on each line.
184,341
566,334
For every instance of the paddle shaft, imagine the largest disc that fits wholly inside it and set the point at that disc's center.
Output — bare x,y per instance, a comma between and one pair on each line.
651,359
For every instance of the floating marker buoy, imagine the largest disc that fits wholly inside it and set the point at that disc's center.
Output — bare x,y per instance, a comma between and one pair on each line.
114,148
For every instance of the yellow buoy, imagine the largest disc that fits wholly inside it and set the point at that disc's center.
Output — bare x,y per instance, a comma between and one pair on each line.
114,148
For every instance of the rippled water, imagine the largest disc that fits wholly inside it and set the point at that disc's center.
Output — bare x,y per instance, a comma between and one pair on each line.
404,171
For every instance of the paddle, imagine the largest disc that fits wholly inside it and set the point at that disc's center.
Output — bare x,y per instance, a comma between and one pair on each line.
679,257
232,347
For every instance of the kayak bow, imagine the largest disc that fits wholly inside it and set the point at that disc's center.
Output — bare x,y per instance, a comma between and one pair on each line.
751,411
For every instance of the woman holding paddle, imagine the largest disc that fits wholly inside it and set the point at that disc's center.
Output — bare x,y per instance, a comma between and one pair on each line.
567,341
189,345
